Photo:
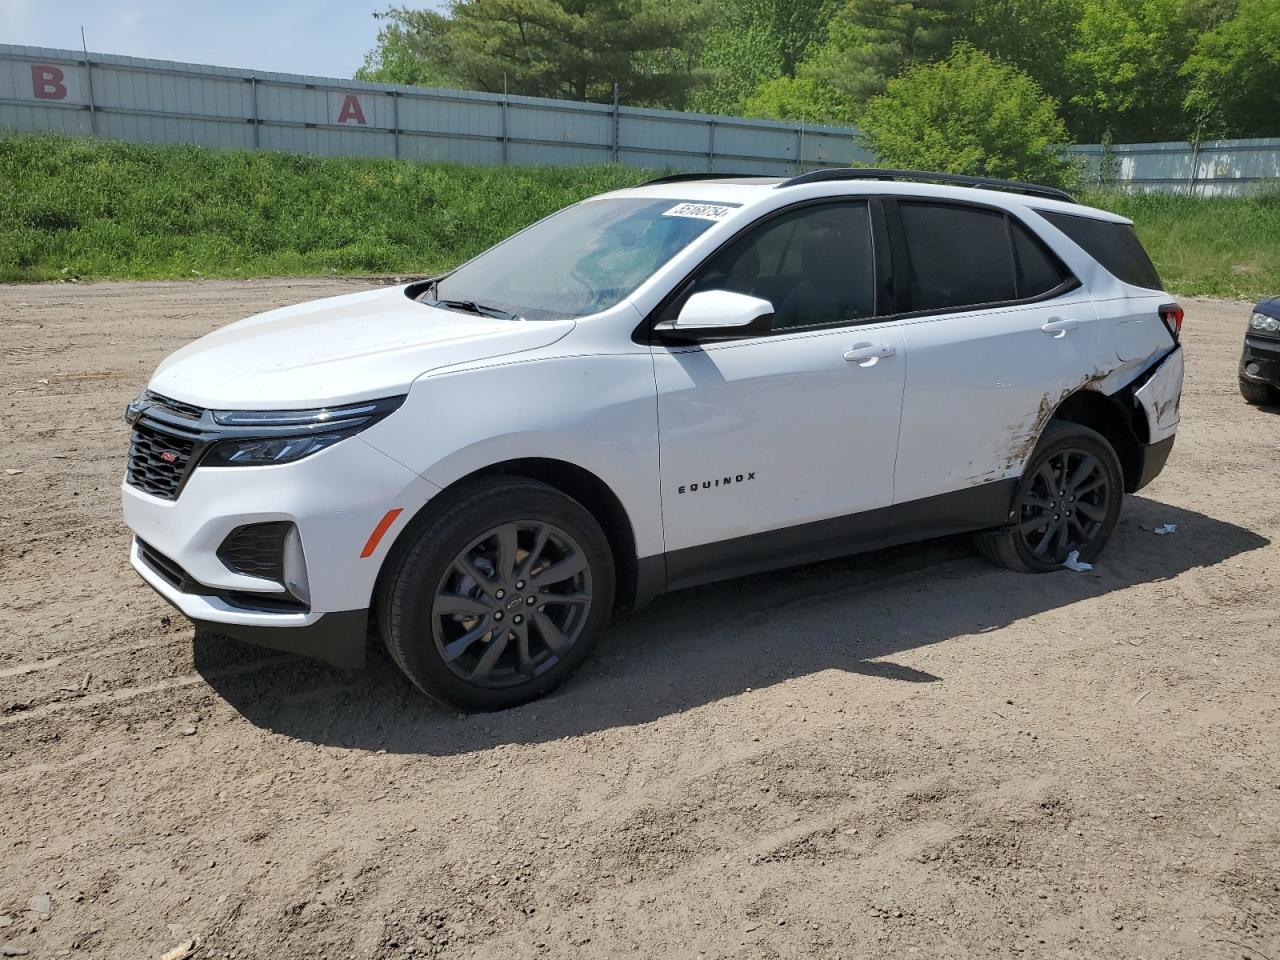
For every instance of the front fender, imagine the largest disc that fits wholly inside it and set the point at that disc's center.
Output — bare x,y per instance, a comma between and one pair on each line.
598,413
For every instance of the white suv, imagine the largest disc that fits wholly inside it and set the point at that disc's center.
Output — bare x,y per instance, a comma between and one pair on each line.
655,388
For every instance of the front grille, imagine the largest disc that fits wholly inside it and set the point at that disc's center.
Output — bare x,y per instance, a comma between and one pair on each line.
158,460
256,550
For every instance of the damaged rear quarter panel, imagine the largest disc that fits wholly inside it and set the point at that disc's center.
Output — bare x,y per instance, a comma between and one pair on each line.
1131,343
1161,397
1023,435
982,385
1158,394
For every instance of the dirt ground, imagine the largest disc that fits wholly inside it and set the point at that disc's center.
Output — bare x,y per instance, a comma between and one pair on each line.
909,753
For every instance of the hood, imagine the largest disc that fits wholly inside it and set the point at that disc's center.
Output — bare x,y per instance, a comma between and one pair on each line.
338,350
1269,307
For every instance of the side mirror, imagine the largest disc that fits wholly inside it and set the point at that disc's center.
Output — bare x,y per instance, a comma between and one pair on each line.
719,315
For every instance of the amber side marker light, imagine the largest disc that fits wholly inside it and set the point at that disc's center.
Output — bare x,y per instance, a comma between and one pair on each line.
379,531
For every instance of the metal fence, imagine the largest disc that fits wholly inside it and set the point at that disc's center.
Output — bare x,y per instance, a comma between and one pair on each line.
1214,168
160,101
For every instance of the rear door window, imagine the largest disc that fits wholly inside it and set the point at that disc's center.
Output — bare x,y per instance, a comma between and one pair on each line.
1114,245
958,256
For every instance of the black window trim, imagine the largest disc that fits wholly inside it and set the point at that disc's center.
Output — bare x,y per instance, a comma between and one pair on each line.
902,261
881,262
892,268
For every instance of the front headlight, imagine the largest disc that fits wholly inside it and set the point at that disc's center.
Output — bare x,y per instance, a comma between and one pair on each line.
249,453
1260,323
255,438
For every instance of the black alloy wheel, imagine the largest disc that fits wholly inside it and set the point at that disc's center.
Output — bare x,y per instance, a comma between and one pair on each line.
511,604
496,593
1063,506
1068,501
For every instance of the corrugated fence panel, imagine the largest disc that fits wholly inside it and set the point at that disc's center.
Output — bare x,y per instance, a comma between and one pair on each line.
544,132
39,119
158,101
1214,168
161,101
741,142
828,147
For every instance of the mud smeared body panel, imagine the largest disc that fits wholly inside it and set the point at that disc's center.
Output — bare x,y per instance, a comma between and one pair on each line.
1145,406
1024,436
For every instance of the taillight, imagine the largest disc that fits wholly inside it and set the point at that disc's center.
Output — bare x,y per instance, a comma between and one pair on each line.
1171,314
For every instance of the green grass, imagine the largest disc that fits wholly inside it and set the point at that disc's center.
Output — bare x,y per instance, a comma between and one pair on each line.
74,207
103,209
1209,247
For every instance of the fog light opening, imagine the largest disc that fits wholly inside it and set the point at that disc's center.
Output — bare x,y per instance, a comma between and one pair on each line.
1251,369
295,567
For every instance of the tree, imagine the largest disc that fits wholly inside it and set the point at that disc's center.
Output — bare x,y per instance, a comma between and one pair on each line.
968,114
1035,36
1234,75
396,60
754,42
573,49
870,41
1126,66
800,99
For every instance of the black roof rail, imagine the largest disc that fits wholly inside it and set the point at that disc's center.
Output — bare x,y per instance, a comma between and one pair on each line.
875,173
682,177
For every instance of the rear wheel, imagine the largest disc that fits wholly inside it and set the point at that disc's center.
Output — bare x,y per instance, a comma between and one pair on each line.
1068,501
500,597
1259,394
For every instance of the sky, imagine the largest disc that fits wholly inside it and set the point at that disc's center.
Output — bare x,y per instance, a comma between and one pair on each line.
323,38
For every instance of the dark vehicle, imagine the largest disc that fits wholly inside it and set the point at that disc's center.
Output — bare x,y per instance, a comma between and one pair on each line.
1260,362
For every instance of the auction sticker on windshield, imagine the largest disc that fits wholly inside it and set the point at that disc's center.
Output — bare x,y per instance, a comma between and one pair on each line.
700,211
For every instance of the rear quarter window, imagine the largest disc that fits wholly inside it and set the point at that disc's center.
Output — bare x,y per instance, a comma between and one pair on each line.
1039,271
1114,245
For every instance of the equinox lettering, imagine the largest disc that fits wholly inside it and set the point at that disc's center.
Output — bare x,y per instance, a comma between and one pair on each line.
717,482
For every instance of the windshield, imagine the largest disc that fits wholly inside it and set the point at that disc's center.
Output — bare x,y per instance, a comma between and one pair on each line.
582,260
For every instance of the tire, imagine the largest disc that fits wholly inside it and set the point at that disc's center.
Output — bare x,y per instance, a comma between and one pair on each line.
1035,542
1258,394
451,613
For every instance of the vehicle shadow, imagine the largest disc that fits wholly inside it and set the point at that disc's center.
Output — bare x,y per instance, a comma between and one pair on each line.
697,646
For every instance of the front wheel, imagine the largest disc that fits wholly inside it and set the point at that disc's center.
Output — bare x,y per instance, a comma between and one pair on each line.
500,596
1068,501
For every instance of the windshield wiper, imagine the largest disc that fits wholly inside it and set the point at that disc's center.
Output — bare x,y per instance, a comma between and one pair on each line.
428,297
470,306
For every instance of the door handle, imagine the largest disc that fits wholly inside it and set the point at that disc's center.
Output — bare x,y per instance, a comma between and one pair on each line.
869,354
1059,328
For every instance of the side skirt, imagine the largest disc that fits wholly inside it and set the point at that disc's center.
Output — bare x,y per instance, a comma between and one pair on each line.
974,508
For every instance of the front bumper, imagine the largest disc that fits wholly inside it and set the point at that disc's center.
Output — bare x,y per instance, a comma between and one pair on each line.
1260,361
335,498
